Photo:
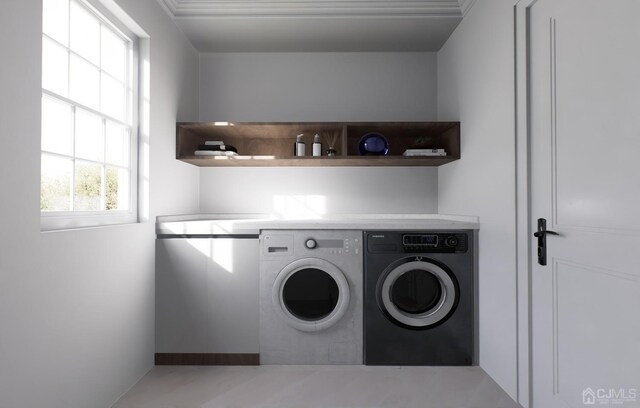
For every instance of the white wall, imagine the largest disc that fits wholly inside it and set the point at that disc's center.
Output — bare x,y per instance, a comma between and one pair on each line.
309,191
322,87
77,307
476,87
299,87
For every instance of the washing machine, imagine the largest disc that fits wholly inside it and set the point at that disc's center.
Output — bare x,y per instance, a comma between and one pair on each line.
420,298
311,284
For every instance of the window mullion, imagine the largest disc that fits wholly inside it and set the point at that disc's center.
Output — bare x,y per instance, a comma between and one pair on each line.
84,107
73,170
69,53
75,54
129,86
100,68
104,164
53,40
59,155
103,187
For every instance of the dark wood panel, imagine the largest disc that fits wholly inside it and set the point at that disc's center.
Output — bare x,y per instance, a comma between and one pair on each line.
344,161
207,359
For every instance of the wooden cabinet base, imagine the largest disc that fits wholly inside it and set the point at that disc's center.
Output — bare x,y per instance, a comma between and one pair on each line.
207,359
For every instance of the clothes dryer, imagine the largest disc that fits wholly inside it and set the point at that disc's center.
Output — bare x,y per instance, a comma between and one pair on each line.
420,298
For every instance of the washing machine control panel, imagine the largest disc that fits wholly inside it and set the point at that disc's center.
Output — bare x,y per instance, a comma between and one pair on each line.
346,246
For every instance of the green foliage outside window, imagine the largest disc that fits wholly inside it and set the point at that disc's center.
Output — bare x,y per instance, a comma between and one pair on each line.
55,192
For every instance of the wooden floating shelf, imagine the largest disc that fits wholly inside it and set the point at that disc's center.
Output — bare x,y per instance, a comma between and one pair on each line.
323,161
271,144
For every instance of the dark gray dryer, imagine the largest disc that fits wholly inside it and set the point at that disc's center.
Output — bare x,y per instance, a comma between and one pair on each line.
420,297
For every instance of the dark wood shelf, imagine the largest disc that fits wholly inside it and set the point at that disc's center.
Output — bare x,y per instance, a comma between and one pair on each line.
323,161
271,144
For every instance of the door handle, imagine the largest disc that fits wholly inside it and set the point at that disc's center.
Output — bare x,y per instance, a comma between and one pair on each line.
541,234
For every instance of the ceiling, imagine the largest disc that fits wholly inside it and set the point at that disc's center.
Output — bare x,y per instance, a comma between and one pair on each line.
316,26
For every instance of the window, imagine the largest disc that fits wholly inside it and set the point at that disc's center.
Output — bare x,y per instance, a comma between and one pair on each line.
89,118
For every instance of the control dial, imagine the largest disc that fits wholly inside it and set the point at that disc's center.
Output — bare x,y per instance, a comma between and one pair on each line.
451,241
311,243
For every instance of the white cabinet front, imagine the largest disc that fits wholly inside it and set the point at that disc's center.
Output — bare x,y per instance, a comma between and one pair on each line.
207,295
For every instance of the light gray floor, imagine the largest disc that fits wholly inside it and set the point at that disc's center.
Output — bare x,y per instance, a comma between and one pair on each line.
316,387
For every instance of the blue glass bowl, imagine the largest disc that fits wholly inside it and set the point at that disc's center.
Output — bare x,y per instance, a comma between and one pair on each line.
373,144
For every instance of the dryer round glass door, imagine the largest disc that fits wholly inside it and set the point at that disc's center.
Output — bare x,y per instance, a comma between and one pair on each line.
311,294
418,293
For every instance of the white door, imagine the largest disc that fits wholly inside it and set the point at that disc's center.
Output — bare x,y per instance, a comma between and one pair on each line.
584,101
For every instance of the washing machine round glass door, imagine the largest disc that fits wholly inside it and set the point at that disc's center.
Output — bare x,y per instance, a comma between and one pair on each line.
418,293
311,294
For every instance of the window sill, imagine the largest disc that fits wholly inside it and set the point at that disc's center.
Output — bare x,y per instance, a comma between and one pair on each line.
51,222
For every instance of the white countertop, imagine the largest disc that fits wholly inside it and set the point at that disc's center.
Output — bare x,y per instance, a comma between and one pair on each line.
252,224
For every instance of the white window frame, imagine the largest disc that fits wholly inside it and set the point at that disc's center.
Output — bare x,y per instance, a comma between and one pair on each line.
62,220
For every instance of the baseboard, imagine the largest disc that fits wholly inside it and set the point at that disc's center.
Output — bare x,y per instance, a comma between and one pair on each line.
207,359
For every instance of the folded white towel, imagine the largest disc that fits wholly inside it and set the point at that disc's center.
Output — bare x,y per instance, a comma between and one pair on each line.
424,152
214,153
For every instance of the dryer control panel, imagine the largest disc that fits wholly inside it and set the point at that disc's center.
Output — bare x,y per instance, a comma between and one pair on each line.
417,242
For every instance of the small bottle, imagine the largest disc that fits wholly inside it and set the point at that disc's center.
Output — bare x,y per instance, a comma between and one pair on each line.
300,147
317,146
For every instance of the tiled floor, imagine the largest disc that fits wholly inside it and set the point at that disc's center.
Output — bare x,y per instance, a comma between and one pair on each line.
316,387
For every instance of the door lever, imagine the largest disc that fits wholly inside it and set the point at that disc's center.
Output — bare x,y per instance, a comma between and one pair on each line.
541,234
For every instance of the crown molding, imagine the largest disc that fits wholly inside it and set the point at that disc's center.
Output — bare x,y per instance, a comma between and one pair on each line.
465,5
170,6
207,9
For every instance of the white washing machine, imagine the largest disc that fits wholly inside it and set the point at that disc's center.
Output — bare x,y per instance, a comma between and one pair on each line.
311,285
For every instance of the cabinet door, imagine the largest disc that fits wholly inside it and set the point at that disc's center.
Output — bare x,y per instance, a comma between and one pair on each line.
207,296
233,280
181,295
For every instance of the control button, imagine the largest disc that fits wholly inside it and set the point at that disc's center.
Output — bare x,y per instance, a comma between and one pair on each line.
311,243
452,241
